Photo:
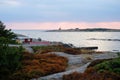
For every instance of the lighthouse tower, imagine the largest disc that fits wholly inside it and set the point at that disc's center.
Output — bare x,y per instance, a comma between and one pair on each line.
59,29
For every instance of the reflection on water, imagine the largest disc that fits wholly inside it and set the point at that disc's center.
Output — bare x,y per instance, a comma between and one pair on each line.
79,39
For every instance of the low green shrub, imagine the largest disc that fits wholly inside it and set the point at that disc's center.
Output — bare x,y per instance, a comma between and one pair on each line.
98,61
7,41
118,53
10,59
111,66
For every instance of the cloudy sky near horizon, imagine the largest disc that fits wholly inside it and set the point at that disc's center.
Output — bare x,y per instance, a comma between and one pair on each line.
52,14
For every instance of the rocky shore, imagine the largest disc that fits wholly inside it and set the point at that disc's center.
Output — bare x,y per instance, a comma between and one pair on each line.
77,63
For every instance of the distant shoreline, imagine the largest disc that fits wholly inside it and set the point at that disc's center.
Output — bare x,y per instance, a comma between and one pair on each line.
85,30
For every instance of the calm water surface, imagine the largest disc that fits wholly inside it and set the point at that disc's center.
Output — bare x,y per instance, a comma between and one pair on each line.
79,39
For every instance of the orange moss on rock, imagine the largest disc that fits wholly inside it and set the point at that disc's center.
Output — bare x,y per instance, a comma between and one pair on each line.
37,65
72,51
92,74
60,48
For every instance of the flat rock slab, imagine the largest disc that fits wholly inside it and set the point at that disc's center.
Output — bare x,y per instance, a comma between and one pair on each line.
106,55
72,59
29,49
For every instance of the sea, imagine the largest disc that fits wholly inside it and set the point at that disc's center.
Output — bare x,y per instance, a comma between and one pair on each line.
105,41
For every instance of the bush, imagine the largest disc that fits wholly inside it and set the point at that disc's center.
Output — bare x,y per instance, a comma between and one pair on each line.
118,53
92,64
111,66
10,59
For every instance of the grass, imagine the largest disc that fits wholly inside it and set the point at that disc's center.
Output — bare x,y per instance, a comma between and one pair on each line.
60,48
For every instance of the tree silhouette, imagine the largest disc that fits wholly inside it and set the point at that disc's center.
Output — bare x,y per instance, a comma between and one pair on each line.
6,33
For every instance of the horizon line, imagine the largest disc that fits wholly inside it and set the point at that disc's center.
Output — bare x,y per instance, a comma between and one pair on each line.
66,29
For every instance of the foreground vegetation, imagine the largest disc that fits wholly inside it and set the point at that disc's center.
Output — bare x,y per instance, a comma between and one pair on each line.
37,65
10,60
15,64
24,66
98,70
10,57
61,48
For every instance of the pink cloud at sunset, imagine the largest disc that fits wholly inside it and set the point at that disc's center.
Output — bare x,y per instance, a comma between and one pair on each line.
63,25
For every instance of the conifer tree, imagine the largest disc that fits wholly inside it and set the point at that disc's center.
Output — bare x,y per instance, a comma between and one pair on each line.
6,33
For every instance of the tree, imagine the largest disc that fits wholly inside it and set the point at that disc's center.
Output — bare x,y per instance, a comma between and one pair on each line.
6,33
10,57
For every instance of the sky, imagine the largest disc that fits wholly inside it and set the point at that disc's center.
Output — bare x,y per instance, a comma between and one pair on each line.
53,14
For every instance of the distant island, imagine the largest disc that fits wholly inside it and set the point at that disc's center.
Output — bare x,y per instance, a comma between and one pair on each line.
85,30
